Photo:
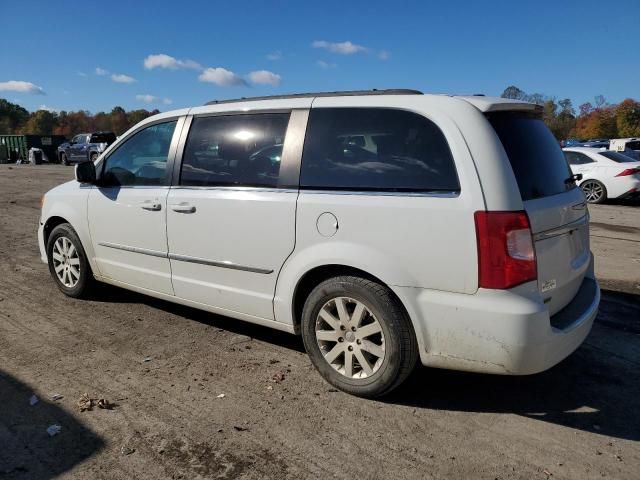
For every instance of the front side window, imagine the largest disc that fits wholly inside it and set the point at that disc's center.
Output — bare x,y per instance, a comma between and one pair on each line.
141,159
234,150
376,149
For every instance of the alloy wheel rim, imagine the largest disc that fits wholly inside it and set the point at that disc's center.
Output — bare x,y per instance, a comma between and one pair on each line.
66,262
350,337
592,191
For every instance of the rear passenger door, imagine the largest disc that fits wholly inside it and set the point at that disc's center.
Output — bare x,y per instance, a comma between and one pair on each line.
231,209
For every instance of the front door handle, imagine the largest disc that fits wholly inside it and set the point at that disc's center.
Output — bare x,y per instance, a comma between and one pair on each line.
152,206
183,207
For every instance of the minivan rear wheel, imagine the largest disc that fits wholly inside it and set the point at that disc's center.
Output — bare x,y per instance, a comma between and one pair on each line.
68,263
358,336
594,191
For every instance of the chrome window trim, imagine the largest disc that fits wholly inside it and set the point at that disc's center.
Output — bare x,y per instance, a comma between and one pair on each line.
381,193
235,188
563,230
186,258
242,112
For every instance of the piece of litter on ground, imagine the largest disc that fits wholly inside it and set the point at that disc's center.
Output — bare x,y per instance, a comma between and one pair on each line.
126,450
270,387
56,396
147,359
54,430
239,428
105,404
85,403
222,395
33,400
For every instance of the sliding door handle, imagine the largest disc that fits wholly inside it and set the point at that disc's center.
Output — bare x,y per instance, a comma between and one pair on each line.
183,207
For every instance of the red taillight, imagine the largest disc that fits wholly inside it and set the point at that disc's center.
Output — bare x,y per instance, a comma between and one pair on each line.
628,171
506,256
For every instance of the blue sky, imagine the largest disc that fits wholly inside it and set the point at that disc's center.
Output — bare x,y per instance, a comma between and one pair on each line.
204,50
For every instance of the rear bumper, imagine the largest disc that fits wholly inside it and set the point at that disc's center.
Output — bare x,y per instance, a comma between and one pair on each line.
503,332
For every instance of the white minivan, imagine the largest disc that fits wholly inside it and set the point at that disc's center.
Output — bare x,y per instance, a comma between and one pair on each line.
454,233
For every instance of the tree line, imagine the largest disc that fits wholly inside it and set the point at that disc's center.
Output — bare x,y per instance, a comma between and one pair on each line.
592,120
15,119
599,119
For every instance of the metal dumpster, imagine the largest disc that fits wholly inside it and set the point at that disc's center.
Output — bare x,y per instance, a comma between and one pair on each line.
16,147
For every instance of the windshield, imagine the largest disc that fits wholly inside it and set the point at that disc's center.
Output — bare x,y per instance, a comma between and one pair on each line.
537,161
622,157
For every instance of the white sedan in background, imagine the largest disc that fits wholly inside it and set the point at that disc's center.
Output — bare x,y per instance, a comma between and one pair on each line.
605,174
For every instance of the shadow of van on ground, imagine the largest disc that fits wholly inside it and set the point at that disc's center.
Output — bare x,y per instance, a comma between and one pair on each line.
596,389
26,449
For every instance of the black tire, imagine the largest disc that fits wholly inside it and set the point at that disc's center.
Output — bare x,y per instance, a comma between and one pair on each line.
589,187
93,157
63,159
85,282
400,345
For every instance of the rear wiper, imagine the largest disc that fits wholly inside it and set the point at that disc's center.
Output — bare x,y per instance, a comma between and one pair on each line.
573,178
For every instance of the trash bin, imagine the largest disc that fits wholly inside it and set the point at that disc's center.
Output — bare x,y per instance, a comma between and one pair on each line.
35,156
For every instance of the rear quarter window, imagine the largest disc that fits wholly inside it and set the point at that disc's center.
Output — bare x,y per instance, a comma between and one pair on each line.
376,149
538,163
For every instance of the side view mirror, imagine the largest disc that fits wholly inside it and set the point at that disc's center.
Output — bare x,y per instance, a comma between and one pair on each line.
85,172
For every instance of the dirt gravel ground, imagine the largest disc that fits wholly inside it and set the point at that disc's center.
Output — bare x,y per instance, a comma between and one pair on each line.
165,367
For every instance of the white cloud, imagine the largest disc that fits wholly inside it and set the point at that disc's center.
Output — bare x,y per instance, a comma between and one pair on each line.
101,71
20,86
221,77
121,78
325,65
341,48
277,55
162,60
48,109
153,99
383,55
146,98
81,74
265,77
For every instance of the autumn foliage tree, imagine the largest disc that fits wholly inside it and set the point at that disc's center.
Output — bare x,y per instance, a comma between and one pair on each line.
16,120
593,120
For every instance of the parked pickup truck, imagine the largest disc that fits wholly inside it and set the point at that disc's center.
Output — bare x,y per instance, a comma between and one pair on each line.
85,147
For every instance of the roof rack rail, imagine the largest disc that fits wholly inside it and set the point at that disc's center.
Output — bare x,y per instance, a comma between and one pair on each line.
347,93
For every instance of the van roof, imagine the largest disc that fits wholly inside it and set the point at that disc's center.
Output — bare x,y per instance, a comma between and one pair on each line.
481,102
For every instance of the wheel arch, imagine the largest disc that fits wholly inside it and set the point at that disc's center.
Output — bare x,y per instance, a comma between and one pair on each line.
316,275
51,223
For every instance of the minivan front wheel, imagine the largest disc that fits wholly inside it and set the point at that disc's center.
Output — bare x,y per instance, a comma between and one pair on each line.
358,336
68,263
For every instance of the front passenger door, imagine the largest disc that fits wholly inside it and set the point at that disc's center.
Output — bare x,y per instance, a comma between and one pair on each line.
127,210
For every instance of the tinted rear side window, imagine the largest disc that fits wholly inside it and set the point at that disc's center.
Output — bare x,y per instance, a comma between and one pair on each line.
617,157
537,161
375,149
